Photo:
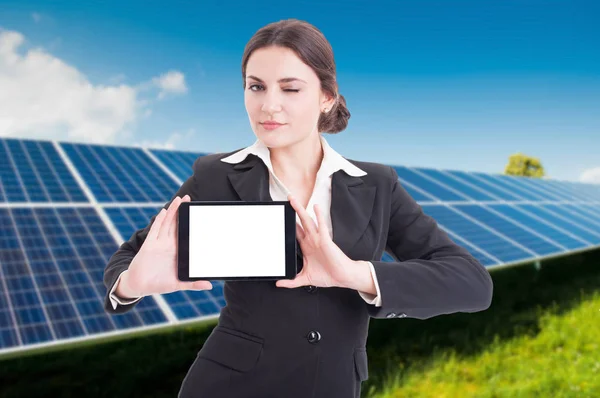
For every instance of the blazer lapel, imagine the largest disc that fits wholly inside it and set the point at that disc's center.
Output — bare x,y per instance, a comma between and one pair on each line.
351,208
252,184
351,199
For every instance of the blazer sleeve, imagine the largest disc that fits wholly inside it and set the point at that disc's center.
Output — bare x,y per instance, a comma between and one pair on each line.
433,275
121,259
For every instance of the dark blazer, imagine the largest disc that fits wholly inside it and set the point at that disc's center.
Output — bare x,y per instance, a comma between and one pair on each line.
311,342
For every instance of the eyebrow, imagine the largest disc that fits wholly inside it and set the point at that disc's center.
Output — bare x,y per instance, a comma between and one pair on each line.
284,80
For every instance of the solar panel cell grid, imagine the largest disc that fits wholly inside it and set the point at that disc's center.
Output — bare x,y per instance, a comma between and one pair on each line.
526,236
178,162
52,262
32,171
121,174
491,188
561,222
480,236
564,238
466,189
433,188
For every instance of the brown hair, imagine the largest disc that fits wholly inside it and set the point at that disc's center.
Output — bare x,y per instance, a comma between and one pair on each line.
311,46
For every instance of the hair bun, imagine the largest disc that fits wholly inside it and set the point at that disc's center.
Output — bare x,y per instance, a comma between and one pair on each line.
336,121
341,107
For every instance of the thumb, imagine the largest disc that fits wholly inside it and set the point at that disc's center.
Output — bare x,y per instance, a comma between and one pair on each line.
195,285
292,283
285,283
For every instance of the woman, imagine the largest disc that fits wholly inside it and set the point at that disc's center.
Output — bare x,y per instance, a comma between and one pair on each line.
304,337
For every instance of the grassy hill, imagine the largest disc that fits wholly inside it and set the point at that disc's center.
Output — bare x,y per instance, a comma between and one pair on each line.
540,338
558,358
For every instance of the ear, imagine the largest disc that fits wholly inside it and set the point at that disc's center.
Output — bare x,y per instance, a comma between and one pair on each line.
327,102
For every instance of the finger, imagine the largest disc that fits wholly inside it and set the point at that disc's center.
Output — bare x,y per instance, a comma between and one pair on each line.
311,229
307,222
301,237
155,228
173,224
322,224
164,229
300,232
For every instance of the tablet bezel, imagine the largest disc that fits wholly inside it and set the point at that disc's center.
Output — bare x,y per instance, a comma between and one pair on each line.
183,240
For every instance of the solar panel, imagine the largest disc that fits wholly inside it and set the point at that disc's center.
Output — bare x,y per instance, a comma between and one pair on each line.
490,188
576,228
527,237
433,188
531,184
179,162
65,208
484,258
32,171
483,237
504,183
570,190
418,194
591,209
563,237
117,174
52,263
577,214
587,191
581,211
470,191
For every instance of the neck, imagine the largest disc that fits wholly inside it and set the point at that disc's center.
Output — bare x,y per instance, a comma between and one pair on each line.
300,161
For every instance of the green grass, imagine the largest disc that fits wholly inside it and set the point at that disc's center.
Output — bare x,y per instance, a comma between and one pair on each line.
540,337
562,359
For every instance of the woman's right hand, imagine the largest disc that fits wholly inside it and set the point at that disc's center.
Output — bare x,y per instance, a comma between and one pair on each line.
154,268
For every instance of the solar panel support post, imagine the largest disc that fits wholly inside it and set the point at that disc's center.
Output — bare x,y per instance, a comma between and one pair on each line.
537,265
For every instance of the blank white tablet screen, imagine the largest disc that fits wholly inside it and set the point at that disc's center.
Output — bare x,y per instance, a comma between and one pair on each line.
237,240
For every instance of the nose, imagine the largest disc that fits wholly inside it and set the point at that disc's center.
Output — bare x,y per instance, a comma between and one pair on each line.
271,102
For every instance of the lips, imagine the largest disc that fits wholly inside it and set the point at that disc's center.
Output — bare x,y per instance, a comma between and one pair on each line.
271,126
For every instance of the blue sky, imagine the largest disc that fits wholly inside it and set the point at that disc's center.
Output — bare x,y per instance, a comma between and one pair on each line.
447,84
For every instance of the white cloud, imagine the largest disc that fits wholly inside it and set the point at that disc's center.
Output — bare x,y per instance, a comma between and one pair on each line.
173,142
44,97
170,82
591,176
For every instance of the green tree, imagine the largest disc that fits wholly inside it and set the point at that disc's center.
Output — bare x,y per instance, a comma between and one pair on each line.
525,166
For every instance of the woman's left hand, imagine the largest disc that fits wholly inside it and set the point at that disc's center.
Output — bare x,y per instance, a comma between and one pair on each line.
325,264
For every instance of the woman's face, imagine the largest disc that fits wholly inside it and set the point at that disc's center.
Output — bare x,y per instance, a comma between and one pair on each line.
295,103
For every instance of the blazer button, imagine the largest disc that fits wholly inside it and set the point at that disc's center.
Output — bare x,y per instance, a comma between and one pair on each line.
310,288
391,315
313,336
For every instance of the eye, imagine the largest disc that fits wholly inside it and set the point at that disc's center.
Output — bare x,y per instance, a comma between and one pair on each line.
258,85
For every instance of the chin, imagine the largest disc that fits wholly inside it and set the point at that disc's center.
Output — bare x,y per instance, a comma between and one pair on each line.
274,139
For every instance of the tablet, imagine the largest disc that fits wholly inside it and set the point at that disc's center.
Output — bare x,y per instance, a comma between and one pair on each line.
235,241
